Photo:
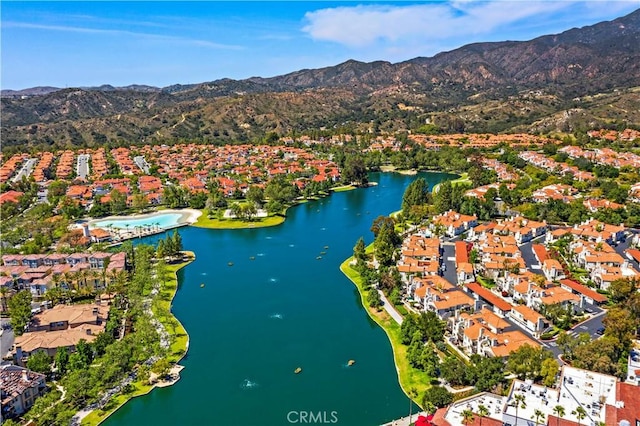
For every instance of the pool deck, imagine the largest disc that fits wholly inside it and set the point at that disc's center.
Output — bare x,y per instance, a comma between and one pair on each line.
187,217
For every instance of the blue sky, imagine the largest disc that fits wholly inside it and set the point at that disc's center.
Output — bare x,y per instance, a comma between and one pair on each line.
70,44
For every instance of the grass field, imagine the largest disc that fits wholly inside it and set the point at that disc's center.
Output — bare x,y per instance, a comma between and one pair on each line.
214,223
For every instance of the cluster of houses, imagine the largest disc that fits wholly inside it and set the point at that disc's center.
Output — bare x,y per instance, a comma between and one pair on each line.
40,272
606,156
494,301
552,166
189,165
479,140
503,172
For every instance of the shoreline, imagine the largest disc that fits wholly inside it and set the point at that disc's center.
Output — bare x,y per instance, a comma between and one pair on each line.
93,418
405,373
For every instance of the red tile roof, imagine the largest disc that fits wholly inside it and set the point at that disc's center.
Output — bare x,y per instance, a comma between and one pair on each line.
490,297
582,289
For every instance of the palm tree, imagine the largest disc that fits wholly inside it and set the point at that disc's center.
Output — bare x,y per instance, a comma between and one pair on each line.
537,415
412,394
467,417
482,412
580,413
558,410
519,403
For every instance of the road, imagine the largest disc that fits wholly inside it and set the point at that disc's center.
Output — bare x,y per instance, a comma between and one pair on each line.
621,247
25,170
82,167
530,258
449,262
6,339
142,163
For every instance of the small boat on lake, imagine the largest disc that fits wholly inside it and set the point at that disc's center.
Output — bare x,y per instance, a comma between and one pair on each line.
202,285
297,370
351,362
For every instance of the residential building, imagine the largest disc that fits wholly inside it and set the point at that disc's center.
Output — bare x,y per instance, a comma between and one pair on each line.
19,388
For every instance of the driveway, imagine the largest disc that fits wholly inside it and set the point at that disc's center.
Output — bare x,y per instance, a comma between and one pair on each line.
530,258
82,168
25,170
449,262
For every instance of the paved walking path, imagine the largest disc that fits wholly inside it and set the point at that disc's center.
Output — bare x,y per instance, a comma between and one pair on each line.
388,306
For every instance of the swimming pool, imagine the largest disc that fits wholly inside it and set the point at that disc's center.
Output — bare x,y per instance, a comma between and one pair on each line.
164,220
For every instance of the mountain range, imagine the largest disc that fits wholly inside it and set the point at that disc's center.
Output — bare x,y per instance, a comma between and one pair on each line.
581,78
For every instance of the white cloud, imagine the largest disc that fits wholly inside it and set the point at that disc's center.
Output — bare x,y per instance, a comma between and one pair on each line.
386,26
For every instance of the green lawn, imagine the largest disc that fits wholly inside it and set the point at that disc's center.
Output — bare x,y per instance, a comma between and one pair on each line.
408,376
214,223
463,179
343,188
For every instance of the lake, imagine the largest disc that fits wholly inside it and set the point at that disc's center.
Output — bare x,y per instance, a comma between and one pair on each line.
258,320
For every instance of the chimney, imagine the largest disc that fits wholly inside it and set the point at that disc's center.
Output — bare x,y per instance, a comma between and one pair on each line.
95,310
85,230
25,375
88,331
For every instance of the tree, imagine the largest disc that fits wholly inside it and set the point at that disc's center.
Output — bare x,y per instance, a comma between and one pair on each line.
537,415
580,413
118,201
354,170
62,359
548,371
413,393
20,311
161,367
453,371
255,195
373,298
559,411
140,202
621,289
467,417
39,362
438,396
483,411
85,351
526,361
417,193
519,402
359,251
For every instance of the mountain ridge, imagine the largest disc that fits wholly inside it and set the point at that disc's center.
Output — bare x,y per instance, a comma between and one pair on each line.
579,62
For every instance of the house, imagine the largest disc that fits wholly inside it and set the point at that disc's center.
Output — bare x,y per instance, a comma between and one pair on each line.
529,319
454,223
590,296
19,388
552,269
487,297
61,326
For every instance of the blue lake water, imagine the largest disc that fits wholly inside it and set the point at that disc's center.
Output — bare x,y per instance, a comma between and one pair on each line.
283,304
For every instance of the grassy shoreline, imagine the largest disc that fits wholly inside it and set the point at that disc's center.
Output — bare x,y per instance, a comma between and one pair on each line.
408,377
262,222
176,352
464,178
